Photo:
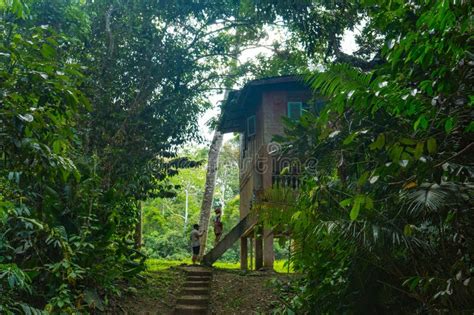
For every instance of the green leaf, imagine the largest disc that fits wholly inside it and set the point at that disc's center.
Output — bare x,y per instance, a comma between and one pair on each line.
345,202
355,211
419,150
432,146
356,207
407,141
57,146
350,138
85,101
412,282
449,124
396,152
47,51
295,216
421,122
378,143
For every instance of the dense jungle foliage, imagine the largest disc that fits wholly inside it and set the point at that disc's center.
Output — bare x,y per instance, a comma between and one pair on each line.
98,97
385,221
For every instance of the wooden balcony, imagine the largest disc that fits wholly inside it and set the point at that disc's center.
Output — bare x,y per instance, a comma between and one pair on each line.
286,181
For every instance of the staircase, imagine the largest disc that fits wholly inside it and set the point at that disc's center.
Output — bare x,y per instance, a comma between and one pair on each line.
194,298
229,239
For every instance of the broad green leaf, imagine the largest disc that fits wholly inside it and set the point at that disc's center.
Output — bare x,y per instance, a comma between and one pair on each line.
419,150
449,124
422,122
396,152
431,145
378,143
47,51
359,199
355,211
407,141
346,202
350,138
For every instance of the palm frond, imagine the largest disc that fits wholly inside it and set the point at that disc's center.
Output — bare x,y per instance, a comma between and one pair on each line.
432,197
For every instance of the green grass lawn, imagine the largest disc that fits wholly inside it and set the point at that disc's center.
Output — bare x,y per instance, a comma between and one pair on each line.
154,264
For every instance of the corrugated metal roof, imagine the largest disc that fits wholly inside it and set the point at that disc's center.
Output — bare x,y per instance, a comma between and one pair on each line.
234,109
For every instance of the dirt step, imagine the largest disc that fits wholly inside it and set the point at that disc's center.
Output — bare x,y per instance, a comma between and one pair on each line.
195,290
190,310
197,284
195,299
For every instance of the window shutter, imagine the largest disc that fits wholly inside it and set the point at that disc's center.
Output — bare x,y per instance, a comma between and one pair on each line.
251,126
295,110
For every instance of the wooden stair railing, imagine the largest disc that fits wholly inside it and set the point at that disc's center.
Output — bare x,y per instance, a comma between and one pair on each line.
229,239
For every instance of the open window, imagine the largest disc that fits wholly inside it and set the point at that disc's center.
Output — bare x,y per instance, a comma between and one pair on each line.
295,110
251,126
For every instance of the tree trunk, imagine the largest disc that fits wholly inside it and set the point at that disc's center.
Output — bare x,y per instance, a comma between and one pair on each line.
186,209
138,227
206,206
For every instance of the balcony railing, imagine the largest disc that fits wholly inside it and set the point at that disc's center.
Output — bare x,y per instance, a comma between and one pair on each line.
286,181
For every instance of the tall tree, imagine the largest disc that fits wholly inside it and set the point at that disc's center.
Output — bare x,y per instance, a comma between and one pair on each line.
96,97
212,163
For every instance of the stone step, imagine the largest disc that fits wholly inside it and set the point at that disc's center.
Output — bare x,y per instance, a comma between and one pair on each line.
182,309
202,300
198,278
197,284
205,273
195,290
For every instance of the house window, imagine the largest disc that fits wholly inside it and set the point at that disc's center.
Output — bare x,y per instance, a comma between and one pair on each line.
295,109
251,126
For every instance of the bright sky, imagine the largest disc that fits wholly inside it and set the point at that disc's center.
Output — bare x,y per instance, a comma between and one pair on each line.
348,46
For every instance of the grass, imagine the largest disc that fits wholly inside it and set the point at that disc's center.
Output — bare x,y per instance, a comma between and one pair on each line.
154,264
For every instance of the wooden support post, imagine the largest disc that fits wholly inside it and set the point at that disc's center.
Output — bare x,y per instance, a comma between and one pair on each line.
243,253
258,251
268,255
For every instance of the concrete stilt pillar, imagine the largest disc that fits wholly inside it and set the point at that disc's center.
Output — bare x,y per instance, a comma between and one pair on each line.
258,252
268,254
243,253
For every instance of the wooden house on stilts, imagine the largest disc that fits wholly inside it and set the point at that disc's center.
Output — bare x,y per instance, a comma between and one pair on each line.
255,112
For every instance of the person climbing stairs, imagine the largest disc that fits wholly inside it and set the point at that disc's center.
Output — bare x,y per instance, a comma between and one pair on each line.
246,224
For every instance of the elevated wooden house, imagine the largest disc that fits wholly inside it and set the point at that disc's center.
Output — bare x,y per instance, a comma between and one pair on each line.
256,112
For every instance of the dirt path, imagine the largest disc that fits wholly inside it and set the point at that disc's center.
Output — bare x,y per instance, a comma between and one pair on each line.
231,292
158,294
236,292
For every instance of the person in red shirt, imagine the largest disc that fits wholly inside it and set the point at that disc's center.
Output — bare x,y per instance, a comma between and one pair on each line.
218,227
